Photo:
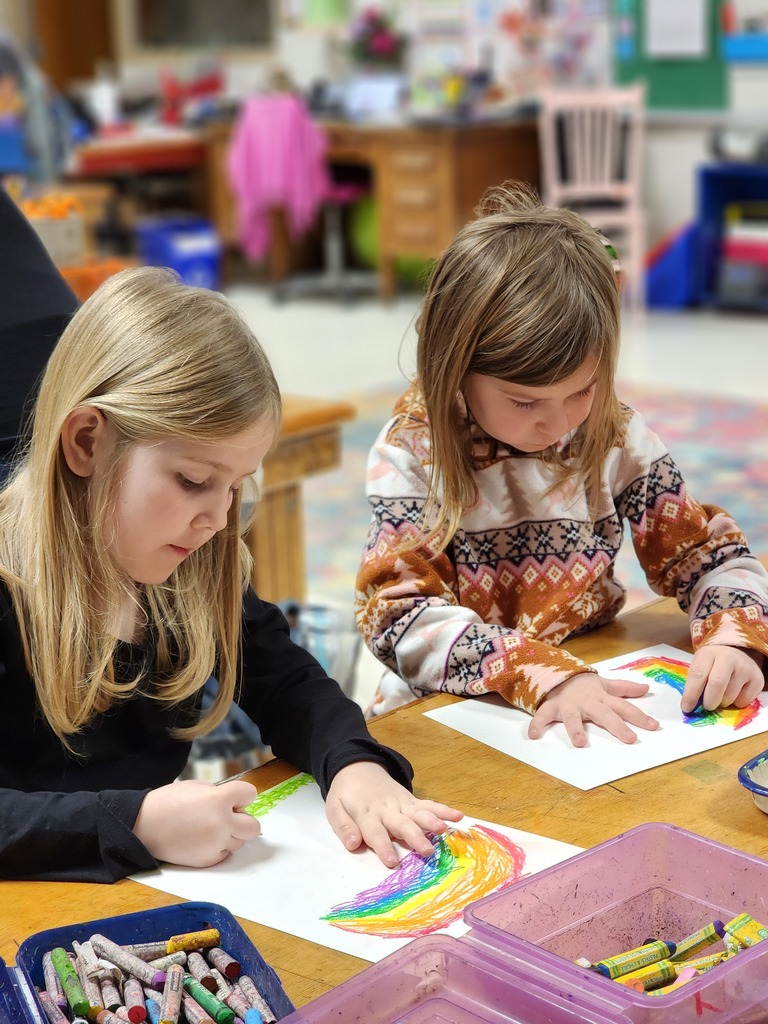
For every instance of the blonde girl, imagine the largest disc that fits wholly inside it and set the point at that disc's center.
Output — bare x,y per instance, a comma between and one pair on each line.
124,585
501,486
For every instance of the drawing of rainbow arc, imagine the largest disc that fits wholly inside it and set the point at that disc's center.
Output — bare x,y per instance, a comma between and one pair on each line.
423,895
673,672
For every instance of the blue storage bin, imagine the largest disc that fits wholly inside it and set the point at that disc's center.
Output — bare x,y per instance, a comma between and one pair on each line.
187,244
14,158
670,280
12,1003
144,926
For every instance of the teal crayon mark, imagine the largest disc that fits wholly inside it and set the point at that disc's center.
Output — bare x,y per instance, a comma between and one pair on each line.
270,798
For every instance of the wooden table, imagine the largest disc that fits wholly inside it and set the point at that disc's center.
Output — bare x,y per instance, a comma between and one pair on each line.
426,179
699,793
309,442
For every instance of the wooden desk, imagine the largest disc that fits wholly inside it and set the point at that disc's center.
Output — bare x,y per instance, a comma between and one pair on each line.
699,793
309,442
140,153
427,181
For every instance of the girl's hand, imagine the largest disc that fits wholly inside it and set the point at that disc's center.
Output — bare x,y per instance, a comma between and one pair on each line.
366,807
588,697
196,823
721,677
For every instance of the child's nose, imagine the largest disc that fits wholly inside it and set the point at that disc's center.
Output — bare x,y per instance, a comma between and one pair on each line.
555,424
214,515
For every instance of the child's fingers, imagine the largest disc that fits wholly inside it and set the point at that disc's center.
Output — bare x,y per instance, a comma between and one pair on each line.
343,825
412,835
633,715
544,715
749,691
574,726
245,827
442,812
625,688
377,838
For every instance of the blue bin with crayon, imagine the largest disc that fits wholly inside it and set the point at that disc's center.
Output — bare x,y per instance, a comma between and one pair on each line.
19,1003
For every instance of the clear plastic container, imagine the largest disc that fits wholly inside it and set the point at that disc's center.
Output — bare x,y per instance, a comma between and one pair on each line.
441,979
657,880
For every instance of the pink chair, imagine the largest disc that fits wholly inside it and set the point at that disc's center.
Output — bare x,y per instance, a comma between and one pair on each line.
276,160
591,143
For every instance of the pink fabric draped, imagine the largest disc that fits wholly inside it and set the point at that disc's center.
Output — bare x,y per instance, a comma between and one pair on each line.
276,159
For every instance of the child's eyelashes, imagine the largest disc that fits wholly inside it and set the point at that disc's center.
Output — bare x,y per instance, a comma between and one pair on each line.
584,393
190,485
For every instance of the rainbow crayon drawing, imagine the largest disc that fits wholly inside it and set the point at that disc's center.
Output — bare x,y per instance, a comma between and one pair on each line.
673,672
421,896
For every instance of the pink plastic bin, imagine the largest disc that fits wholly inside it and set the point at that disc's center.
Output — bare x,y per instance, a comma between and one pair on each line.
655,880
441,979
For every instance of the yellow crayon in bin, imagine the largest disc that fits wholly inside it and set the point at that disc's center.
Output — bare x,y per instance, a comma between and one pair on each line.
703,963
746,930
652,976
699,940
633,959
204,939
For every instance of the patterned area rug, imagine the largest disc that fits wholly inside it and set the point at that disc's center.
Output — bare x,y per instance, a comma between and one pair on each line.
720,445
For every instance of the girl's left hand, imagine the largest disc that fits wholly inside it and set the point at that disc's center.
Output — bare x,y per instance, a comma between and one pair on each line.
722,677
365,806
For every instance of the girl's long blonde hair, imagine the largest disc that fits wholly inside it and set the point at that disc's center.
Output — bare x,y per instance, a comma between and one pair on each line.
524,293
162,361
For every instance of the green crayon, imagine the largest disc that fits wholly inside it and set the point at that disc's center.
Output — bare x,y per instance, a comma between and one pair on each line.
70,982
218,1011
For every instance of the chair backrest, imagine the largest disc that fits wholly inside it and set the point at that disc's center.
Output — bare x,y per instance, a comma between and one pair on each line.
591,143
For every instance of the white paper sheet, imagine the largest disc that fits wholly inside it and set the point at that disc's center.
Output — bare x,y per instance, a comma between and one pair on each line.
297,871
676,28
493,722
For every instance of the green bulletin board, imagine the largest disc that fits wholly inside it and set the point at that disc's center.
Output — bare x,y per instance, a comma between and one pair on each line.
673,83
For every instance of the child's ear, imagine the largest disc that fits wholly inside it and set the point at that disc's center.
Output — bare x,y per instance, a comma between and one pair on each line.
83,438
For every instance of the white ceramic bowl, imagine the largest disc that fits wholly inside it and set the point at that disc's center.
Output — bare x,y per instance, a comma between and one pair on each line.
753,775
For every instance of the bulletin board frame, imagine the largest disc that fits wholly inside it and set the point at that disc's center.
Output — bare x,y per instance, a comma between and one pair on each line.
684,83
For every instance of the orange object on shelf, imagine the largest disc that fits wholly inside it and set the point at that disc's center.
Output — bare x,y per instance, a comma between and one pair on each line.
52,205
85,278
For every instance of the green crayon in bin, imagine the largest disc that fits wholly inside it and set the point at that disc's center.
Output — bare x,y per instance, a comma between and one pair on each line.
634,959
218,1011
70,982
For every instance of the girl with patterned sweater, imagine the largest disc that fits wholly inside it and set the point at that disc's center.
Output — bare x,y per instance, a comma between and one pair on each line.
501,486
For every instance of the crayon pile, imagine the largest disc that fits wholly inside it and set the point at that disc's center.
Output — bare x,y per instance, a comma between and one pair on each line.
659,967
186,979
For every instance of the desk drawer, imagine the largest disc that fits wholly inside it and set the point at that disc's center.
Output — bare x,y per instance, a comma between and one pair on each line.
417,159
417,234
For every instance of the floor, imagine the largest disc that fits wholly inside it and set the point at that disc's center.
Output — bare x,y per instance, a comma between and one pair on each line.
320,347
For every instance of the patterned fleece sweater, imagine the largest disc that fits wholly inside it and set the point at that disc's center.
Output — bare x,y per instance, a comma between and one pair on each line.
526,570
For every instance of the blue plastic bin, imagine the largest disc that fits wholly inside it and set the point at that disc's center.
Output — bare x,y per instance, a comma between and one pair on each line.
148,926
670,279
187,244
14,158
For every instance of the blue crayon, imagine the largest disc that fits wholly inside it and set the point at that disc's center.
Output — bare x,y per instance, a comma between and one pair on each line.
153,1010
253,1016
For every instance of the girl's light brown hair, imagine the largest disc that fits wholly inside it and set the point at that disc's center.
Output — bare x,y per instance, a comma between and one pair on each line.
524,293
162,361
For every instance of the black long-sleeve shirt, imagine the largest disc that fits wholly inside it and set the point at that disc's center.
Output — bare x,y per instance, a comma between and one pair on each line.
70,818
36,304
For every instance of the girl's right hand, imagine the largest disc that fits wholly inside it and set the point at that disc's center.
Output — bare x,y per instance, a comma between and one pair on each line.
195,823
588,697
